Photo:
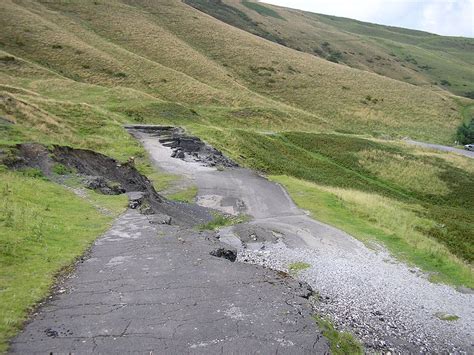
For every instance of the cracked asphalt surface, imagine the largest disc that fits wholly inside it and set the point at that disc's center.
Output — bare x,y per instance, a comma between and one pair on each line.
388,305
156,288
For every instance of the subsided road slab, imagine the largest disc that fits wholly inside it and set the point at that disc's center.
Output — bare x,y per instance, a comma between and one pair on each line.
156,288
389,305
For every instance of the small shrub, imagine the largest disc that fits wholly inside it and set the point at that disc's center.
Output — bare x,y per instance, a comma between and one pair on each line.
445,82
318,51
120,75
7,58
32,173
60,169
469,94
465,133
57,46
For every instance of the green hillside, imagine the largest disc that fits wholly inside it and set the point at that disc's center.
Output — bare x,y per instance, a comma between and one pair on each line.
147,52
74,72
415,57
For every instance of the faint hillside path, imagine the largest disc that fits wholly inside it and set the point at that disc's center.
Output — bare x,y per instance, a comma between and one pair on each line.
443,148
387,304
156,289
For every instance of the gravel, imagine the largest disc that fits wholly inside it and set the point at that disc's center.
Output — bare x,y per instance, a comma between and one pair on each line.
390,309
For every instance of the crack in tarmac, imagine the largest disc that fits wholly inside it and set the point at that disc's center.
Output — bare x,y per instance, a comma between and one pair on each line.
344,271
103,312
352,283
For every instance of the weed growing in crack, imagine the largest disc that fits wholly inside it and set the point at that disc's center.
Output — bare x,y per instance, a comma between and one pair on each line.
221,220
340,342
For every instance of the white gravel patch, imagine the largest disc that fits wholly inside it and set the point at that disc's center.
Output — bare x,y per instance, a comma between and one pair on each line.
387,305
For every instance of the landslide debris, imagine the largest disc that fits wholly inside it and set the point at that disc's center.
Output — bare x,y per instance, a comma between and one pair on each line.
104,175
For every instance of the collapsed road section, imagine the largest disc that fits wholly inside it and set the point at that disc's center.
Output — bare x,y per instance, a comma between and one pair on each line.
163,287
183,145
387,304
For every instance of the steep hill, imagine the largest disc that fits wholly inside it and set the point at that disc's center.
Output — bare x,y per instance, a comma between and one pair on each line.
166,51
416,57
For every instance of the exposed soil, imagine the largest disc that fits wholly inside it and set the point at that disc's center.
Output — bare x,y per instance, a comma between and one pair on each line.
104,175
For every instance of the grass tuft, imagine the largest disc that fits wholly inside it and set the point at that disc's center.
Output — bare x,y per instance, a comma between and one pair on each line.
220,221
341,343
298,266
187,195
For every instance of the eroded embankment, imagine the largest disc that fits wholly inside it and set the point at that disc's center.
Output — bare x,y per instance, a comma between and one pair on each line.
104,175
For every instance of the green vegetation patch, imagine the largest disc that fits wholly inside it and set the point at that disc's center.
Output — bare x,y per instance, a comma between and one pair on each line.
220,221
447,317
43,228
237,18
465,132
341,343
298,266
60,169
187,195
262,10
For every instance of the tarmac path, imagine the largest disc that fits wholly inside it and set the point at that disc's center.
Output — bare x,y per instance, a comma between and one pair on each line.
387,304
148,287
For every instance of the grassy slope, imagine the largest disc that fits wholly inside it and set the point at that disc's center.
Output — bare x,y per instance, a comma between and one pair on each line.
43,228
235,70
412,56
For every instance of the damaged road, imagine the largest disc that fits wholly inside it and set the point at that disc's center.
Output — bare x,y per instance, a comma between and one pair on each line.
154,284
157,288
388,305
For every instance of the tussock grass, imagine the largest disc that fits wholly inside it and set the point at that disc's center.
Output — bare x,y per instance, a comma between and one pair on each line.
341,343
298,266
187,195
401,169
220,220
